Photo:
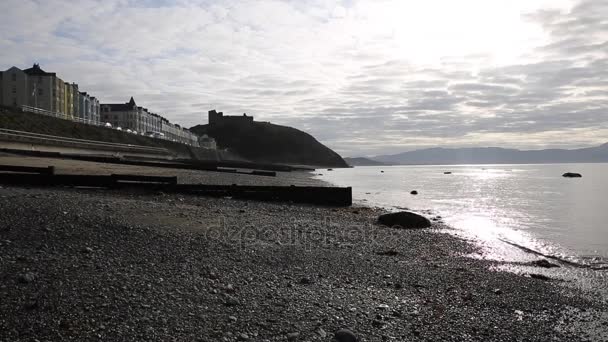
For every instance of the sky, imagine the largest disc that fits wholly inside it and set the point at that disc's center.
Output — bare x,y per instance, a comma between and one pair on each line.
365,77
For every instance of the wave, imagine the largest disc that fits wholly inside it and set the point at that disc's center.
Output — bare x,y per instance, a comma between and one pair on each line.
601,265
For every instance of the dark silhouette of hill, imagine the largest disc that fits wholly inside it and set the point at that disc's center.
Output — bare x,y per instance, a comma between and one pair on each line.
497,155
269,143
360,161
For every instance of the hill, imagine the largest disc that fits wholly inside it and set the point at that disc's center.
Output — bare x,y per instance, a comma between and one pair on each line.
360,161
268,143
497,155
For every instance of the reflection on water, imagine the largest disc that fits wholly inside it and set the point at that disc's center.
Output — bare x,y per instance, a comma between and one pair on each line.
526,205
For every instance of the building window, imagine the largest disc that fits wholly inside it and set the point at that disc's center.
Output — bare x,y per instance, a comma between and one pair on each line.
14,77
14,89
40,91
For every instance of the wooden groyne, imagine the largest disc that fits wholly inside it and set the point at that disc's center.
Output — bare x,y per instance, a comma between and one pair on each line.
330,196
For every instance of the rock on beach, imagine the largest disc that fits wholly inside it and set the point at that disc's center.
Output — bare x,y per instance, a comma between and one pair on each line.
404,219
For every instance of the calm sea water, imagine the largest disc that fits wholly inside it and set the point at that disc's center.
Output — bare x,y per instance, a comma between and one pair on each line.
499,206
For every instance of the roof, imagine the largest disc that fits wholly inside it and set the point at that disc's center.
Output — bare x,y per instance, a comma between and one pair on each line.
37,71
121,107
118,107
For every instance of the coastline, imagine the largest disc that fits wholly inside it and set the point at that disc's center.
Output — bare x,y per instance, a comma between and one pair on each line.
88,264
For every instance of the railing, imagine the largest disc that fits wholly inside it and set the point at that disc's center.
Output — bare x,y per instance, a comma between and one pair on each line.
58,115
25,134
64,116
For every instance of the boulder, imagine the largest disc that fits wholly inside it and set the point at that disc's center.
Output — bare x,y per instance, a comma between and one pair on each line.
345,335
572,175
414,192
404,219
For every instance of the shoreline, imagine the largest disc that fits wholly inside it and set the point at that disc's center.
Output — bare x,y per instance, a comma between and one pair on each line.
88,264
518,243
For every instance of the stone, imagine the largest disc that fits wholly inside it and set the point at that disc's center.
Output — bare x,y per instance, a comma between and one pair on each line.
321,333
447,173
414,192
543,263
293,336
572,175
305,281
345,335
539,277
27,278
377,323
243,337
404,219
231,301
87,250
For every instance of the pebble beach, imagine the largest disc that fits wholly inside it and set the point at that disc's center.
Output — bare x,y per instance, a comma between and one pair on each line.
91,265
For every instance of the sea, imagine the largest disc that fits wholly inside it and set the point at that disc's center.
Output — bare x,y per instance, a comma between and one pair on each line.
515,213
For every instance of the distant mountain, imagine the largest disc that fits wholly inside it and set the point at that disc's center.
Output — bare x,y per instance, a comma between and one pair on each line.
269,143
360,161
497,155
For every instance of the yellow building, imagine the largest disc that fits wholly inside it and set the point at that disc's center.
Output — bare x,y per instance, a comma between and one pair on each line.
68,99
59,96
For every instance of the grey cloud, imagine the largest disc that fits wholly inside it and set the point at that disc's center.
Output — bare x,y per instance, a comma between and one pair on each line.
300,67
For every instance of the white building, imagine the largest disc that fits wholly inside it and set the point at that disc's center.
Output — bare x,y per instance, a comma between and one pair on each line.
130,116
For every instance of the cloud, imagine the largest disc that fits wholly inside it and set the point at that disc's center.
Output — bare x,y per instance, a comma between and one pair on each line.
363,76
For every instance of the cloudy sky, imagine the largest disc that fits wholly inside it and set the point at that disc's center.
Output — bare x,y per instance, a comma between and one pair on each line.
365,77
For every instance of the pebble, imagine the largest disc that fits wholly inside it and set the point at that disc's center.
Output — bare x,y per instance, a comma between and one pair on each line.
27,278
293,336
305,281
231,301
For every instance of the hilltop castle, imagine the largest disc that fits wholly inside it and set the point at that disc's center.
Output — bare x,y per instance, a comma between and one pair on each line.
216,118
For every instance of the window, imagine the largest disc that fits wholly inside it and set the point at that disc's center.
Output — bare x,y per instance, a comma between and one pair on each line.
40,91
14,89
14,77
